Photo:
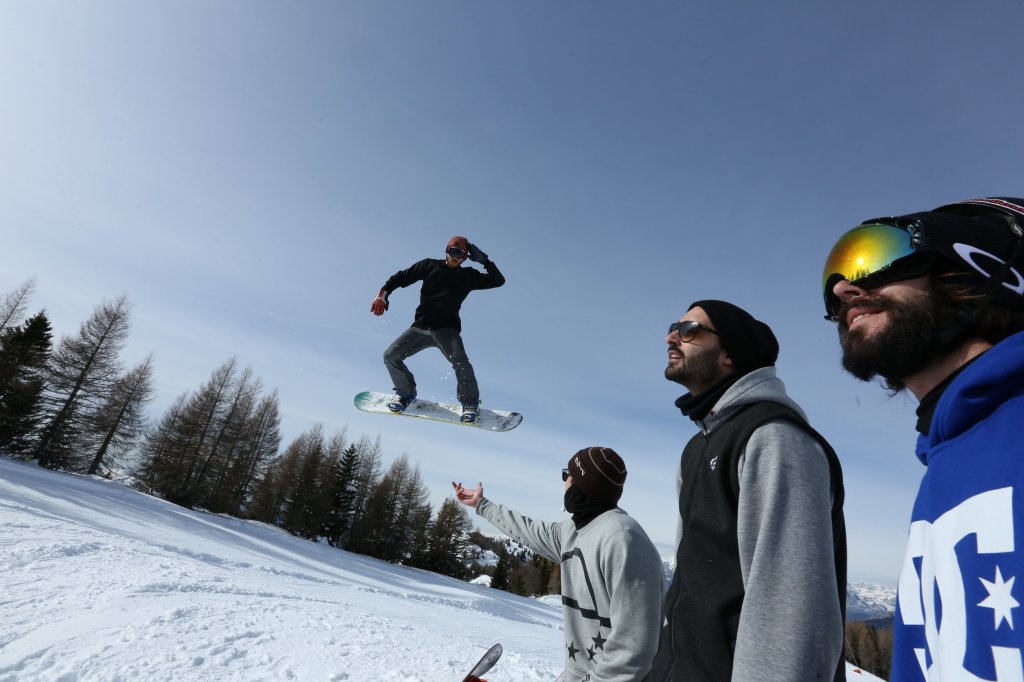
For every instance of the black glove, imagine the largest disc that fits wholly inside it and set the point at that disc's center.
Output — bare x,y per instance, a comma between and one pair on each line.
476,255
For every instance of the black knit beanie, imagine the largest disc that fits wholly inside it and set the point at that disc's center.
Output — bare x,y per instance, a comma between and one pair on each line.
749,343
598,472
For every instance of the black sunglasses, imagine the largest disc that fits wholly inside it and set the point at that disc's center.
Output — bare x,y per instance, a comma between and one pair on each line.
565,474
688,329
456,252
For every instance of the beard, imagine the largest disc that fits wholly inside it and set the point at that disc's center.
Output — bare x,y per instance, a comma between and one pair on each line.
695,371
917,333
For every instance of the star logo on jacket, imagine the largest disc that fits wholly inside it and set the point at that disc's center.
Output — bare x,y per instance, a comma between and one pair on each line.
599,641
591,652
572,650
999,599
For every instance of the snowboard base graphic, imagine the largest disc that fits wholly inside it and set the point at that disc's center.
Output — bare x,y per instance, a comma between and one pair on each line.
491,420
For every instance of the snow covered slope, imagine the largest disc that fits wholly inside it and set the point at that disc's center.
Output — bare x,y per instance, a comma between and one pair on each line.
100,582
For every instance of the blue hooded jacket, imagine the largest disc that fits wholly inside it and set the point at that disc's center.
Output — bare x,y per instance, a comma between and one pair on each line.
959,614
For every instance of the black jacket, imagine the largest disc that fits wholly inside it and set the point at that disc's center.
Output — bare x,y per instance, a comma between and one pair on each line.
444,289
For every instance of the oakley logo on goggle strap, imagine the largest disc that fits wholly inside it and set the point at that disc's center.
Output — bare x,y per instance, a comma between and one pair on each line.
968,253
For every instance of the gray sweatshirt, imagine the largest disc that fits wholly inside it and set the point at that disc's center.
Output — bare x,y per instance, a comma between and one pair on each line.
790,620
612,587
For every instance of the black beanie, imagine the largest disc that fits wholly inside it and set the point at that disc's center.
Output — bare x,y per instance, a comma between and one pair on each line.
749,343
598,472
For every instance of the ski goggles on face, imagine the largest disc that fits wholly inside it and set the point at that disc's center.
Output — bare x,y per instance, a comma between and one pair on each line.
688,329
456,253
872,254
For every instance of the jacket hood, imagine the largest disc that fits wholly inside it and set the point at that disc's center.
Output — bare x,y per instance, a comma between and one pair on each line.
758,386
991,380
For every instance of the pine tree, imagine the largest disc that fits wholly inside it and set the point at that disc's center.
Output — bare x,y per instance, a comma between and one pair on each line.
367,477
212,447
418,529
543,575
341,508
447,539
228,437
500,576
412,516
258,448
883,639
80,377
377,530
201,419
121,421
160,449
12,306
518,583
269,502
304,508
24,352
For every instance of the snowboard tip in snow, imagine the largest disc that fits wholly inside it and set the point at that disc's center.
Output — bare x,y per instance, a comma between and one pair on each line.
485,663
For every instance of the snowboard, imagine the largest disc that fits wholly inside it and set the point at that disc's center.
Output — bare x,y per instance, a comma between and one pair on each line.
492,420
485,663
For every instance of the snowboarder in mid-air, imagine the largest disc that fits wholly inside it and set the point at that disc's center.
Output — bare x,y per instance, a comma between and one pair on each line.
445,286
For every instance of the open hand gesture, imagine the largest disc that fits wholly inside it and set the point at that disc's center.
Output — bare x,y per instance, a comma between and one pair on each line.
470,498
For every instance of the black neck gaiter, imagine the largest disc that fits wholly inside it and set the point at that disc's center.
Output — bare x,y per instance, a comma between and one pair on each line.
696,407
583,509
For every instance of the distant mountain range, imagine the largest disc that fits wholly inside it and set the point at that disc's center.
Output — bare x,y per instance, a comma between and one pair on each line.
866,601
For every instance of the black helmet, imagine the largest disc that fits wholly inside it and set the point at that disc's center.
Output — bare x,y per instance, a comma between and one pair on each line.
979,237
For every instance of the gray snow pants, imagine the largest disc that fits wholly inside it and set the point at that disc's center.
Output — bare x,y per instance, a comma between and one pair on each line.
449,342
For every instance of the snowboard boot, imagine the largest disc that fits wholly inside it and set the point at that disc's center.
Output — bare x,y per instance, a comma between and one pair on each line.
400,402
470,414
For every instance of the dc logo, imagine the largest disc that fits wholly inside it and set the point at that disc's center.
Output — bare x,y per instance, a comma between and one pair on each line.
936,598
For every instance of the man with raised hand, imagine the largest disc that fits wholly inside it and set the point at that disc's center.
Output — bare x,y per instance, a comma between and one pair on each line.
612,575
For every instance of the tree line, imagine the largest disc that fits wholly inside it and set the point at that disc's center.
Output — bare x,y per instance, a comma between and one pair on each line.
869,646
517,570
75,407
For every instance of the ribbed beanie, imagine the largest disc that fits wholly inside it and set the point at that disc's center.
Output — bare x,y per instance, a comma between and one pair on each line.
599,472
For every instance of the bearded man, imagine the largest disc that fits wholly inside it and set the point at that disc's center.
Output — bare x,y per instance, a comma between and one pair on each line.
933,303
760,577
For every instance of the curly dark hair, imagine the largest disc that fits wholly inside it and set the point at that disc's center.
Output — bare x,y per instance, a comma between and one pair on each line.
984,319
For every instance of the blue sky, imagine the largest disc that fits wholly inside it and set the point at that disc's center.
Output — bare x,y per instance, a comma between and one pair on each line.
249,174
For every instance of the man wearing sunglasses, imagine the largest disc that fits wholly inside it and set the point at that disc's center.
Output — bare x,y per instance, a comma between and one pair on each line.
446,284
760,583
612,577
933,302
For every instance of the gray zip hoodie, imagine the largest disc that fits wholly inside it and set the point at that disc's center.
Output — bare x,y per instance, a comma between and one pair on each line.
790,624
